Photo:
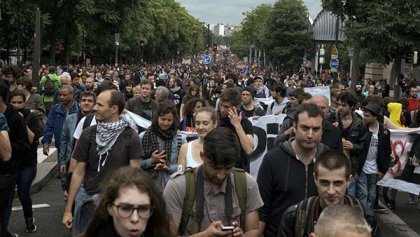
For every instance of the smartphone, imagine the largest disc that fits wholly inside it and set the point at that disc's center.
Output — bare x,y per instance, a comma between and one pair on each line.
228,228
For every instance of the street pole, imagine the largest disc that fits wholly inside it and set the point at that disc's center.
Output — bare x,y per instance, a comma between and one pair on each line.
116,54
36,60
208,36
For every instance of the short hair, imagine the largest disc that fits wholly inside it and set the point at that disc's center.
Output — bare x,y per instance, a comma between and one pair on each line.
18,93
280,89
296,92
348,97
304,96
26,82
104,86
87,94
68,88
231,95
130,177
166,107
251,90
322,97
13,70
163,92
116,98
338,218
222,147
146,82
333,160
312,110
231,75
52,69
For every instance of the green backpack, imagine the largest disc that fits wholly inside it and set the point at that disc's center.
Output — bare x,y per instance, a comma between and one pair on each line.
190,198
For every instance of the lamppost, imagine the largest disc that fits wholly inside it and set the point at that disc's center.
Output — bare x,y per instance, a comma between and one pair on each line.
117,42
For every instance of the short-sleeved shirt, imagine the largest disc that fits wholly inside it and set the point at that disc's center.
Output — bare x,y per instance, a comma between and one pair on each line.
118,156
79,127
214,201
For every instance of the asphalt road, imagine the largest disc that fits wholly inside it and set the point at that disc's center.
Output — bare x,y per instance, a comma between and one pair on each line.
47,219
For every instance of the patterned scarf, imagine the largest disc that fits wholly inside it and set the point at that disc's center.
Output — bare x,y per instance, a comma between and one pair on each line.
107,133
150,142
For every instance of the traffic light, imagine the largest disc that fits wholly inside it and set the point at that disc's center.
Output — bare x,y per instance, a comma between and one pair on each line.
214,47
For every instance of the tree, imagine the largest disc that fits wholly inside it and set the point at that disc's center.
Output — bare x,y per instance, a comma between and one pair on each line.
384,30
287,34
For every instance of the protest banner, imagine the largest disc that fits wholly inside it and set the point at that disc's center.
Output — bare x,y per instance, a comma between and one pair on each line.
398,176
319,90
265,129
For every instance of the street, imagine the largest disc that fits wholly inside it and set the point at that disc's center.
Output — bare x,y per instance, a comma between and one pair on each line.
48,218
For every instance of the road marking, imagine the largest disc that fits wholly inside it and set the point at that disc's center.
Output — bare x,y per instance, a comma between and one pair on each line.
18,208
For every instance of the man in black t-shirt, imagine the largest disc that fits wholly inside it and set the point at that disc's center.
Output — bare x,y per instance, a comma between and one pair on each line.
230,99
249,108
101,149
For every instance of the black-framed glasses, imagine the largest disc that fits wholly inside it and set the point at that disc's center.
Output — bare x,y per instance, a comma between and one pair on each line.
125,210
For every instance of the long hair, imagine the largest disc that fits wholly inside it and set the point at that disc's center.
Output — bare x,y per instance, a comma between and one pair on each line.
190,106
158,223
165,108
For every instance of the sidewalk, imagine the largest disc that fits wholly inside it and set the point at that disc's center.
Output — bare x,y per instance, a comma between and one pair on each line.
47,167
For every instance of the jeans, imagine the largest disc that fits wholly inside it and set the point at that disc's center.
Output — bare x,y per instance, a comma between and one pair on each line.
7,193
80,217
26,176
366,189
351,190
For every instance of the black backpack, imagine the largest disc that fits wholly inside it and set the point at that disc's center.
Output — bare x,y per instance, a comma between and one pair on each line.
49,87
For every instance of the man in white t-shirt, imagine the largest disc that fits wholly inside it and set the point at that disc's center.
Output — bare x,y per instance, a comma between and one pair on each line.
278,93
375,163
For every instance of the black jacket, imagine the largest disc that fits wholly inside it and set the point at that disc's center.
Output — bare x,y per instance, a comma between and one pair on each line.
356,133
32,121
288,222
19,140
384,150
283,181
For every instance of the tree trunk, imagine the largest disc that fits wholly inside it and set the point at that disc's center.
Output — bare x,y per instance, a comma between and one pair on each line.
355,69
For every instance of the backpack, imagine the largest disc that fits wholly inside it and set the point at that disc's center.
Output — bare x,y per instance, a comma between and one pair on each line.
49,87
305,216
190,197
88,120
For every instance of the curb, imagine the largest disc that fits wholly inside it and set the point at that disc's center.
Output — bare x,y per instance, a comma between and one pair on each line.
392,225
45,171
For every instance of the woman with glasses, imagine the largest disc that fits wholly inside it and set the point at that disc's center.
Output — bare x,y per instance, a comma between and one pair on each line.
130,205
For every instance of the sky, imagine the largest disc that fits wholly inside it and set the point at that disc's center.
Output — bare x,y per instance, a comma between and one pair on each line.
230,11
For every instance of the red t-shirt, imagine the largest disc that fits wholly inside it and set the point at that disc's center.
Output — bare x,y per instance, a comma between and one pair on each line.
413,104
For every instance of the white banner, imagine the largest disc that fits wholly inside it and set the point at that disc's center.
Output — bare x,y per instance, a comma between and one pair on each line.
319,90
265,129
401,141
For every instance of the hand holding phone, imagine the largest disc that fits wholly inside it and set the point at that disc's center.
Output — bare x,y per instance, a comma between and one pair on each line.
228,228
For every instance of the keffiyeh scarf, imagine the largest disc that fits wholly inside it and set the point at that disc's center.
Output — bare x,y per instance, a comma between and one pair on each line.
108,133
150,142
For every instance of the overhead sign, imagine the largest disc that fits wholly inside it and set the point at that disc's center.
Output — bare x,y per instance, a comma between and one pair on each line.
206,59
334,63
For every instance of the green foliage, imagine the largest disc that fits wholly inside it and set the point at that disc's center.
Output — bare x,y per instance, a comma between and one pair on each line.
90,25
384,30
287,34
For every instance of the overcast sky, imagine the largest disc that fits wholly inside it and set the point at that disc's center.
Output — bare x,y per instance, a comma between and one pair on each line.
230,11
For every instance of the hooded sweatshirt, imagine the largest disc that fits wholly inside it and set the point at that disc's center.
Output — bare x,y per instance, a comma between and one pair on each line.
283,181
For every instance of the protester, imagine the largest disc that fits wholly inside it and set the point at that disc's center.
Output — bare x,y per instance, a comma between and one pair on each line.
193,105
332,174
161,144
102,149
285,176
130,205
341,221
219,188
144,105
28,166
205,120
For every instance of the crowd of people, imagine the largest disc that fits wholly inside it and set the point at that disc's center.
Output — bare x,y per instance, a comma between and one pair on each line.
188,173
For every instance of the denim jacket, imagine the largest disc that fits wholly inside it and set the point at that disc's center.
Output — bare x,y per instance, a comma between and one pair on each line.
66,140
55,122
